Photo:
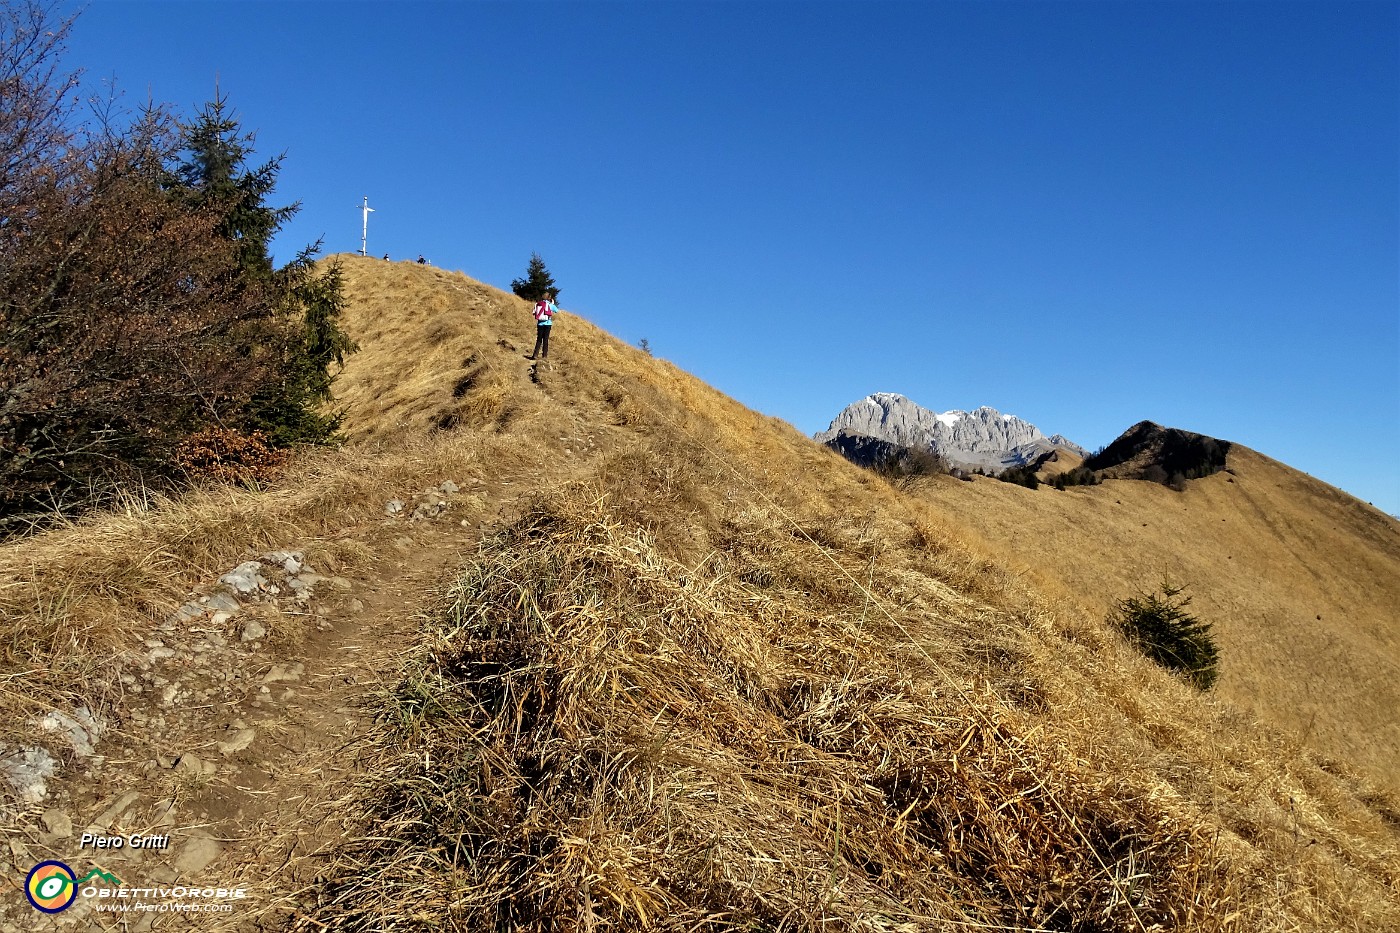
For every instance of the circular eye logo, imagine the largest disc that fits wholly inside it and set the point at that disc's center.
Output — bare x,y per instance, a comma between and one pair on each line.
50,887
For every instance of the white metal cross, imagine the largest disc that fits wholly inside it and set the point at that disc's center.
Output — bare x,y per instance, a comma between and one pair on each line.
364,229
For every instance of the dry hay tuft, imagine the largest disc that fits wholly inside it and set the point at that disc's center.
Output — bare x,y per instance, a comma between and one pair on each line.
595,737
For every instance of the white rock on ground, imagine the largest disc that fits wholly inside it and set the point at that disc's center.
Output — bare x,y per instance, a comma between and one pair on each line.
27,770
82,729
245,578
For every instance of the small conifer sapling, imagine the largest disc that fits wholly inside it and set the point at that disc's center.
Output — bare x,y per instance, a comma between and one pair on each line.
537,281
1159,626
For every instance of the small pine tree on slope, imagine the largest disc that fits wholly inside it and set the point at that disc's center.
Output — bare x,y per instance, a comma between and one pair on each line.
1160,627
537,281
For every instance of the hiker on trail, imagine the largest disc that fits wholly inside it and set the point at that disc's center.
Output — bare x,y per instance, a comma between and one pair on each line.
545,309
421,260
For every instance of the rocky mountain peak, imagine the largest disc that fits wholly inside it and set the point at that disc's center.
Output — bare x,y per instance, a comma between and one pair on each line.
980,439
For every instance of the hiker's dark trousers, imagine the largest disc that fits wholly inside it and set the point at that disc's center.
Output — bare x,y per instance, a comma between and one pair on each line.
542,341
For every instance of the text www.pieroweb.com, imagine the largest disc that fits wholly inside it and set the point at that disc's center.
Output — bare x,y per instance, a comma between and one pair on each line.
163,907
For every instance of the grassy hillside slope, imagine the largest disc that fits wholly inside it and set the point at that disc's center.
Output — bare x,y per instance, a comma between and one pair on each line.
757,516
1301,581
666,664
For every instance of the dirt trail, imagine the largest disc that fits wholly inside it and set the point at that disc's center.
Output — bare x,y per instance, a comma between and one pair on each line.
283,813
247,816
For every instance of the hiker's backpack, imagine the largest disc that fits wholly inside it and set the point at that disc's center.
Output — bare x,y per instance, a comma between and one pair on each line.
542,310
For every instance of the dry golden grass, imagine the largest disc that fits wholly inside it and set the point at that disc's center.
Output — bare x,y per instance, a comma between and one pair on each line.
596,737
806,726
718,678
73,598
710,485
1062,462
1300,580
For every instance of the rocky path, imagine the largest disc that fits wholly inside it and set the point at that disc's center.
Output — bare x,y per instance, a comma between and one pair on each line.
242,712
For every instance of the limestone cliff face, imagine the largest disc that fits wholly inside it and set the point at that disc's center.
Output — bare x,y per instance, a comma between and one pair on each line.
981,439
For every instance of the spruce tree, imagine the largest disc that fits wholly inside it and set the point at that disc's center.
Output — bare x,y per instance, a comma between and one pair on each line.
1161,628
126,322
291,411
214,175
537,281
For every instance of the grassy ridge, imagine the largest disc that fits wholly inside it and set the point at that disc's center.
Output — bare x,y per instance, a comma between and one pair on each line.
717,678
596,735
744,507
1300,581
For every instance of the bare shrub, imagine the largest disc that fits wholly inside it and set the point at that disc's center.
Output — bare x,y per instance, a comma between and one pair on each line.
228,456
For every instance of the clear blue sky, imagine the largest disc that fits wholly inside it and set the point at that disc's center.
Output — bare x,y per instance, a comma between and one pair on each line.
1084,214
